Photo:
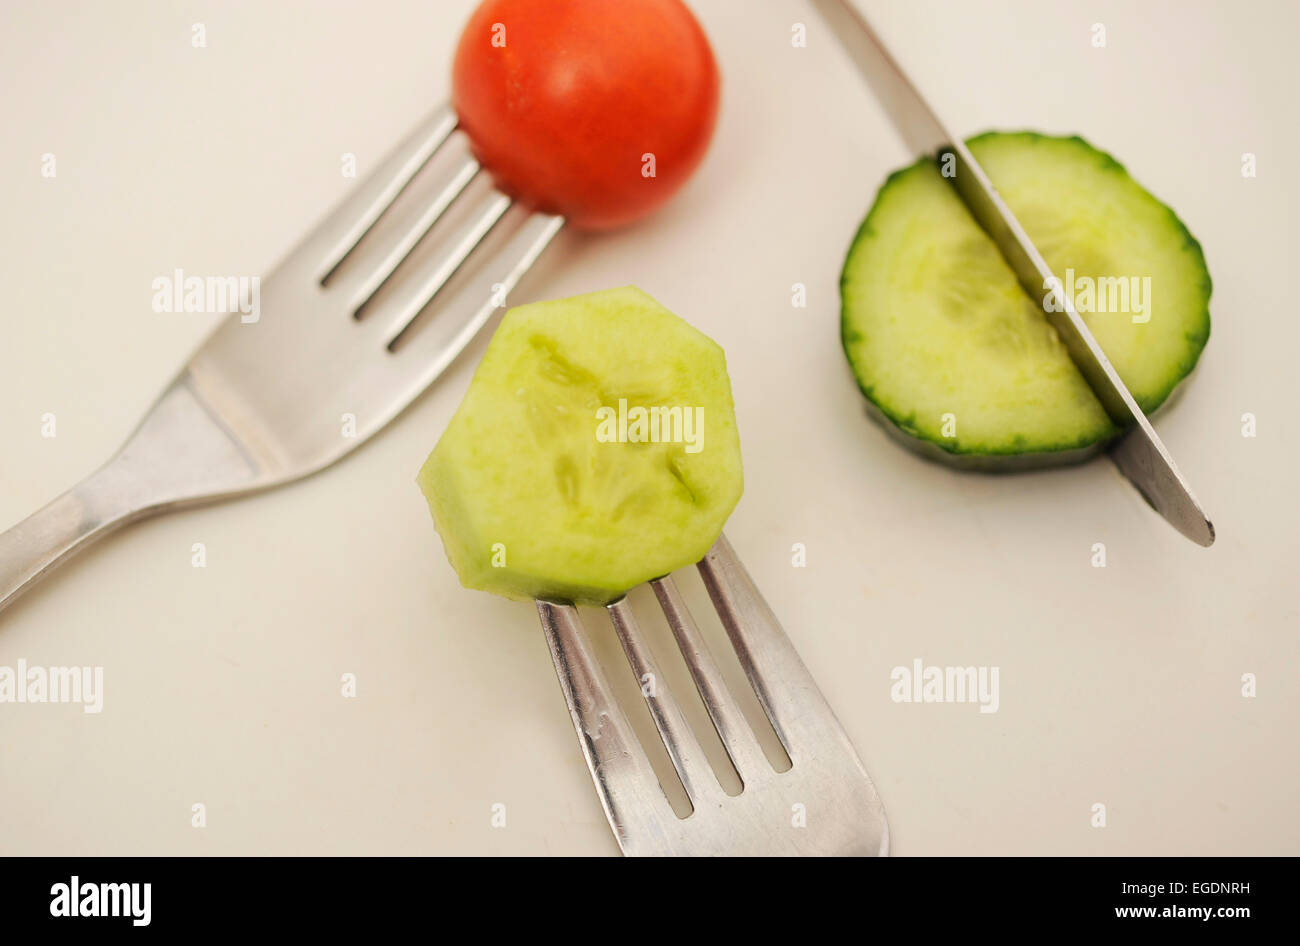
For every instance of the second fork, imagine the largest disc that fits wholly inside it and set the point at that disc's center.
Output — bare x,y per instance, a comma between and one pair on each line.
824,804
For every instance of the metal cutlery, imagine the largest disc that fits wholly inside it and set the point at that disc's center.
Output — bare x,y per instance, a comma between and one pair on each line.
1139,454
824,804
261,403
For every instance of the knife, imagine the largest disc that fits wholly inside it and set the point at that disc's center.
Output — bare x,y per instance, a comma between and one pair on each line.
1139,453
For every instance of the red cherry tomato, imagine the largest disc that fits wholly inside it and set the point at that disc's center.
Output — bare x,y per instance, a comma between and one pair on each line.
595,109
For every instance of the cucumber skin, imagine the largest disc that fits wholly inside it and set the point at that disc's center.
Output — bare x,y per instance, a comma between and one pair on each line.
991,461
986,462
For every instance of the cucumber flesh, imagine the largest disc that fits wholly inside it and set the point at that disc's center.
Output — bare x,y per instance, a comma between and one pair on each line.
549,484
961,362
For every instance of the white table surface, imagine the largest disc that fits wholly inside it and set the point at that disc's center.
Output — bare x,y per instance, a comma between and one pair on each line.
1120,686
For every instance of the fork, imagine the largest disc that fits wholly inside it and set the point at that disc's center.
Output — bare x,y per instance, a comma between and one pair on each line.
824,804
265,402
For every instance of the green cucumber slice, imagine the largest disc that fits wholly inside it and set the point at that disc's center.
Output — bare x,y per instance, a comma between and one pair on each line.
595,449
960,361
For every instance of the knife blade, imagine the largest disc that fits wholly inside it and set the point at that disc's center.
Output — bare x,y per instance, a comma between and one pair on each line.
1139,453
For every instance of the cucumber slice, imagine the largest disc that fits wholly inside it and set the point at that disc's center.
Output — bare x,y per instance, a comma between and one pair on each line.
960,361
550,482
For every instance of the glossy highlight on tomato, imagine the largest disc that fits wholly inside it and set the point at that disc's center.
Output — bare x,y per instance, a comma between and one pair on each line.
595,109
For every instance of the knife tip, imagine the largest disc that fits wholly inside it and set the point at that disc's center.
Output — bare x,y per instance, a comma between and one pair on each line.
1202,533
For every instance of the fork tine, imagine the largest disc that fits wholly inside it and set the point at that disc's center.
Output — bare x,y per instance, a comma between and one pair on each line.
397,313
793,703
350,221
371,277
629,790
437,344
733,730
683,748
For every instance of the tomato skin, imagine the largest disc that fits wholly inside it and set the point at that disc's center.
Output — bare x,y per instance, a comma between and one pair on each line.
564,112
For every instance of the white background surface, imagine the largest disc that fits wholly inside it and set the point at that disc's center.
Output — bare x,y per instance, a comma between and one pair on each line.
1118,685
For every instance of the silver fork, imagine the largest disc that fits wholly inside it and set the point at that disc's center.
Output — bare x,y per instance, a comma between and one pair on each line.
264,402
841,813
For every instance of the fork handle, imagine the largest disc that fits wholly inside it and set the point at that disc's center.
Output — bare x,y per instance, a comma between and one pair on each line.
88,511
178,454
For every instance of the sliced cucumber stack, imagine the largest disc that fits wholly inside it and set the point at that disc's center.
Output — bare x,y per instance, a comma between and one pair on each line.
960,361
595,449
